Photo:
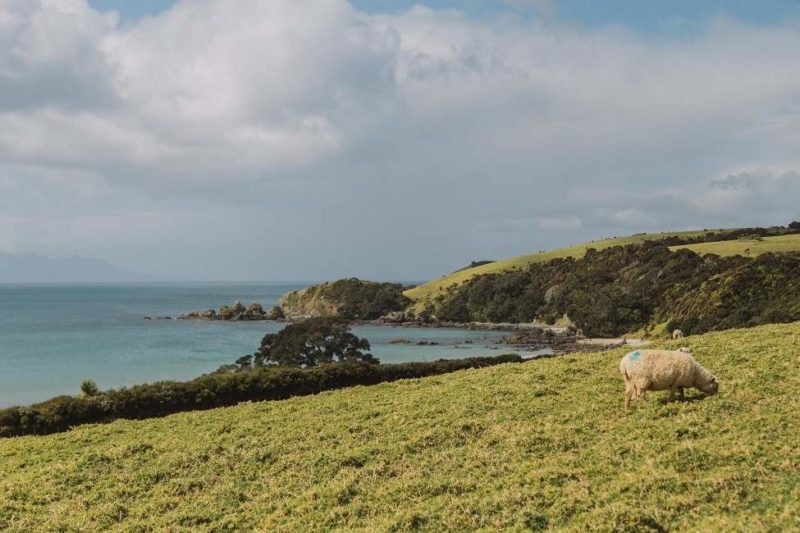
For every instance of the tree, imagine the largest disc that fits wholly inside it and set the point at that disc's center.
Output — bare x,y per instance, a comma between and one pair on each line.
312,342
795,225
89,388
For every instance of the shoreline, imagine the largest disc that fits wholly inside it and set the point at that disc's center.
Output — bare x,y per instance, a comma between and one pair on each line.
556,338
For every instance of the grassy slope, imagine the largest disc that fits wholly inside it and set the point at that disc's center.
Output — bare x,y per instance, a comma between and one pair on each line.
783,243
523,261
542,444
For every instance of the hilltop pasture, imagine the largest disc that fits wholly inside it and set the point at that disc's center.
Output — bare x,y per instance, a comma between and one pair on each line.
746,247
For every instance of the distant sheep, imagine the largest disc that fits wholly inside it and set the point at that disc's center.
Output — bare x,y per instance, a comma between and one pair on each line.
677,334
656,370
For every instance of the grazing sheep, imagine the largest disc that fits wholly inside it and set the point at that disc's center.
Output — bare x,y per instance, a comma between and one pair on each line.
655,370
677,334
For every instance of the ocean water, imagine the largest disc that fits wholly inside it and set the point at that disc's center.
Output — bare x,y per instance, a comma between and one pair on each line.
54,337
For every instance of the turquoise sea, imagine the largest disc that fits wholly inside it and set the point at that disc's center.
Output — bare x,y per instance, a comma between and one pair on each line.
53,337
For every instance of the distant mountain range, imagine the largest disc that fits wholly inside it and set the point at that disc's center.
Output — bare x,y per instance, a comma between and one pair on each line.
40,269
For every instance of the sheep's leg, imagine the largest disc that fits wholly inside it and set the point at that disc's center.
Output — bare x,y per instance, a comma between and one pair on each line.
630,390
672,388
641,390
681,395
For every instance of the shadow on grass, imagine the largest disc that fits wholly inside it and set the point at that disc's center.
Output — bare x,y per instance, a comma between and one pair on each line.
687,399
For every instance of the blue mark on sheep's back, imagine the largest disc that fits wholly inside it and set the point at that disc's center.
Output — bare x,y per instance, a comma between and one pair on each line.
634,356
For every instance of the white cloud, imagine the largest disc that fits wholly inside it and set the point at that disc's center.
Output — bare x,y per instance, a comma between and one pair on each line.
424,133
760,190
49,55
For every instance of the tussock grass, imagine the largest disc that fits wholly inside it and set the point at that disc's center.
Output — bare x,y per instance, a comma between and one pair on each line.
523,261
537,446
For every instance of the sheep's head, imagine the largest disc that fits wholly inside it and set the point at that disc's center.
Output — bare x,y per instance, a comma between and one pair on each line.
710,385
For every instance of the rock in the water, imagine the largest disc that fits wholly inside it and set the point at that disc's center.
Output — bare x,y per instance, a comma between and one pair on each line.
274,313
254,311
208,314
228,312
231,312
394,317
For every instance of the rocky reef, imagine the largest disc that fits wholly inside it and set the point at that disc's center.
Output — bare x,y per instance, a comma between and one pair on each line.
236,312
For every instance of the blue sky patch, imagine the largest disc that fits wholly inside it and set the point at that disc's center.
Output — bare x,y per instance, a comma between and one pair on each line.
643,15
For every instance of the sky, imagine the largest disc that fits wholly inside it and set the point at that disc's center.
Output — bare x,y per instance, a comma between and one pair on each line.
287,140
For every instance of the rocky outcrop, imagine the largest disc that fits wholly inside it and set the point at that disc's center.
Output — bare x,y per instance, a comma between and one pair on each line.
396,317
275,313
537,337
209,314
236,312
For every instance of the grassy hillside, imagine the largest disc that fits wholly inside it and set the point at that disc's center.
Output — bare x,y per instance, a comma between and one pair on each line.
782,243
532,446
522,261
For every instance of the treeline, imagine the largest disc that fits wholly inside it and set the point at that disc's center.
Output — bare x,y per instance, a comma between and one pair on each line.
217,390
623,289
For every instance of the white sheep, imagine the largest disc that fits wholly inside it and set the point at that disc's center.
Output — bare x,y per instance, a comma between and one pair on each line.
655,370
677,334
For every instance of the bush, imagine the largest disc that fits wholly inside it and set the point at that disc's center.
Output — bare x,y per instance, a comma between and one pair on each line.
89,388
218,390
311,342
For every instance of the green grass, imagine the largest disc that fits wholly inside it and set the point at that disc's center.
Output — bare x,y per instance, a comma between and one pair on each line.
541,445
782,243
456,278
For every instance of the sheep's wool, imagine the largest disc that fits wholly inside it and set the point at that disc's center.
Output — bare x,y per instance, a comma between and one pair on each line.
655,370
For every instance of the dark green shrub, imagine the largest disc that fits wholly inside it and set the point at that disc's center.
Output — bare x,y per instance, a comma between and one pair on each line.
218,390
311,342
89,388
